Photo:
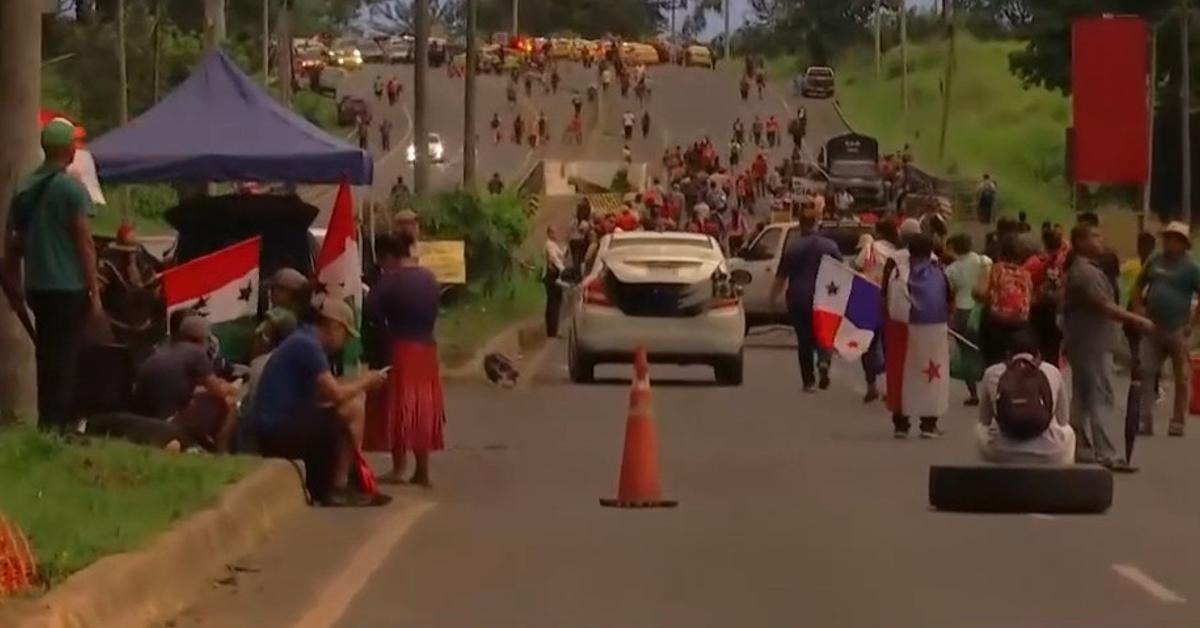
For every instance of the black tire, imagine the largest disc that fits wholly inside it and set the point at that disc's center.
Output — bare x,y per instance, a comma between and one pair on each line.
730,371
580,366
1021,489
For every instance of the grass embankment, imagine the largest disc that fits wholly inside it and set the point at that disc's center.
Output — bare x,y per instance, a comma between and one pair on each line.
464,328
997,126
80,501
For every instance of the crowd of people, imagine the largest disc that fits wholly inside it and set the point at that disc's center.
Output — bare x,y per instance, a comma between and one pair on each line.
1018,309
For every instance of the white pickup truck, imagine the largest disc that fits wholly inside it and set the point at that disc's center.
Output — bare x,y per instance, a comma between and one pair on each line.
754,267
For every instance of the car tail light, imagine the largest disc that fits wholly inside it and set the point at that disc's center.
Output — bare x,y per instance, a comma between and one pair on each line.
595,294
724,302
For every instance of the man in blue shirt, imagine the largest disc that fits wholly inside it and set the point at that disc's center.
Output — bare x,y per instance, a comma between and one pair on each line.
798,273
302,412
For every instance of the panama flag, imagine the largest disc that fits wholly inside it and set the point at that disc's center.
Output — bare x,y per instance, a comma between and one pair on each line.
339,265
847,309
916,339
221,286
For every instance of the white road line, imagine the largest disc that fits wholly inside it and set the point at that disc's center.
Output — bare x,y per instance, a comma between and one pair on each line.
331,603
1156,589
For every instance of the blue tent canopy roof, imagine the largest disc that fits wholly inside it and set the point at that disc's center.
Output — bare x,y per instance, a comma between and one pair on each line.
218,125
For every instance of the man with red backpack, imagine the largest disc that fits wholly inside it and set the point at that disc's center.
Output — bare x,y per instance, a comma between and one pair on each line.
1024,413
1006,291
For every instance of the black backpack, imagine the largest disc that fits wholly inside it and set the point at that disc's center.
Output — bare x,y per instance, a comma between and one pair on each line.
1024,401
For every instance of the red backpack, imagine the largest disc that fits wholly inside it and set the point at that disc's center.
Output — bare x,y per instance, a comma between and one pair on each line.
1010,293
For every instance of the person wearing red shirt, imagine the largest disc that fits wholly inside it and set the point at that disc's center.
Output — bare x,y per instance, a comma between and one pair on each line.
628,220
759,170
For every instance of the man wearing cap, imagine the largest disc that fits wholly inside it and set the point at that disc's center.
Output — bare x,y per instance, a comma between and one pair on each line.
49,235
302,412
179,384
1163,292
289,298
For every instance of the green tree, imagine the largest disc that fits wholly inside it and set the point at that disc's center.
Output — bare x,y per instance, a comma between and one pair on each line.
820,28
1046,59
589,18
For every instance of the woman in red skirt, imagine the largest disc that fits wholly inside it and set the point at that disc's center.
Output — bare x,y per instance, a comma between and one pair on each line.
404,303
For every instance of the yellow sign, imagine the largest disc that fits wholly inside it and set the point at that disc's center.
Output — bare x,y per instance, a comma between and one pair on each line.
446,258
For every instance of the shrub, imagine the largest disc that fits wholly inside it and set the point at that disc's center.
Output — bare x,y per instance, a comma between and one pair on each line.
492,227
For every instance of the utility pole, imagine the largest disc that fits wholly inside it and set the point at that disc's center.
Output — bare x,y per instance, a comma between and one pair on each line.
470,139
1151,101
122,65
284,66
157,52
214,23
878,40
1185,114
727,40
420,131
20,65
951,63
516,17
904,56
266,42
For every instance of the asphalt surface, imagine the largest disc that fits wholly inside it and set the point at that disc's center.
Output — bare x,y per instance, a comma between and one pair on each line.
794,509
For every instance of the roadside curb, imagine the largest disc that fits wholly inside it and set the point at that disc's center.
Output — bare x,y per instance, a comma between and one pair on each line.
527,335
140,588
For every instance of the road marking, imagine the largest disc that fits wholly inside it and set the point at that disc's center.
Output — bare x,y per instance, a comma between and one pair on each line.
1156,589
331,603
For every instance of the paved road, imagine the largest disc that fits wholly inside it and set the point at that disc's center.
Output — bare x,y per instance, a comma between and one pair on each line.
794,509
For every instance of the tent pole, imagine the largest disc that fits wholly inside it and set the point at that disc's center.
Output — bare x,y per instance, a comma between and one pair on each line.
420,130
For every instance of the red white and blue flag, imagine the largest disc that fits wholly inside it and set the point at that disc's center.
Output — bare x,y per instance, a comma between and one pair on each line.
847,309
916,338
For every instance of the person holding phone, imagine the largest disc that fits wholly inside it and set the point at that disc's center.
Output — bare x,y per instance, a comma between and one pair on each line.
404,306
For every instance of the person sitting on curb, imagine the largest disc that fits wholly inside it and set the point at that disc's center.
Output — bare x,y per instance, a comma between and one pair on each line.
178,383
301,411
1025,410
289,295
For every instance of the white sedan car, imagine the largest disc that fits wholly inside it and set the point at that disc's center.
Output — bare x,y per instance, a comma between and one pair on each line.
669,292
436,150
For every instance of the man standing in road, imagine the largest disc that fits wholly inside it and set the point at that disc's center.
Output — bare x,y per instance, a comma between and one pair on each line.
1089,325
798,274
50,236
628,121
986,199
495,185
385,135
1164,291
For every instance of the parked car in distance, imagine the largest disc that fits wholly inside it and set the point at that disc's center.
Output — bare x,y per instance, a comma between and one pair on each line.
817,82
669,292
350,108
699,56
437,150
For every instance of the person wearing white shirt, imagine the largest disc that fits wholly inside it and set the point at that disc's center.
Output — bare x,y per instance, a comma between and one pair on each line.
844,201
555,260
1056,445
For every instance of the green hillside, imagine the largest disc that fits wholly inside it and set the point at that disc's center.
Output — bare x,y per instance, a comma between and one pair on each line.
996,126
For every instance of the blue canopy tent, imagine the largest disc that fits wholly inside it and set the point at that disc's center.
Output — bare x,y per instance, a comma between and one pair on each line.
218,125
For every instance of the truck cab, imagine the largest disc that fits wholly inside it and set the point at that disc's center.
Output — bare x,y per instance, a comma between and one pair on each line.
851,162
754,267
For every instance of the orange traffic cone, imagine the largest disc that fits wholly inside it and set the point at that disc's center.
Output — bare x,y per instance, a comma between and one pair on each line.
18,568
639,487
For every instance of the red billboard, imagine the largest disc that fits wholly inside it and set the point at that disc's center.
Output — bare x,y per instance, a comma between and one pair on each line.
1108,82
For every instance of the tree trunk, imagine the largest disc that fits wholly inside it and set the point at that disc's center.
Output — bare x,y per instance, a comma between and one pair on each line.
157,52
420,130
283,53
214,22
20,64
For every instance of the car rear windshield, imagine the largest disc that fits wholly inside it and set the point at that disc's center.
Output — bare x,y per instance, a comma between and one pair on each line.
627,243
820,72
864,169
